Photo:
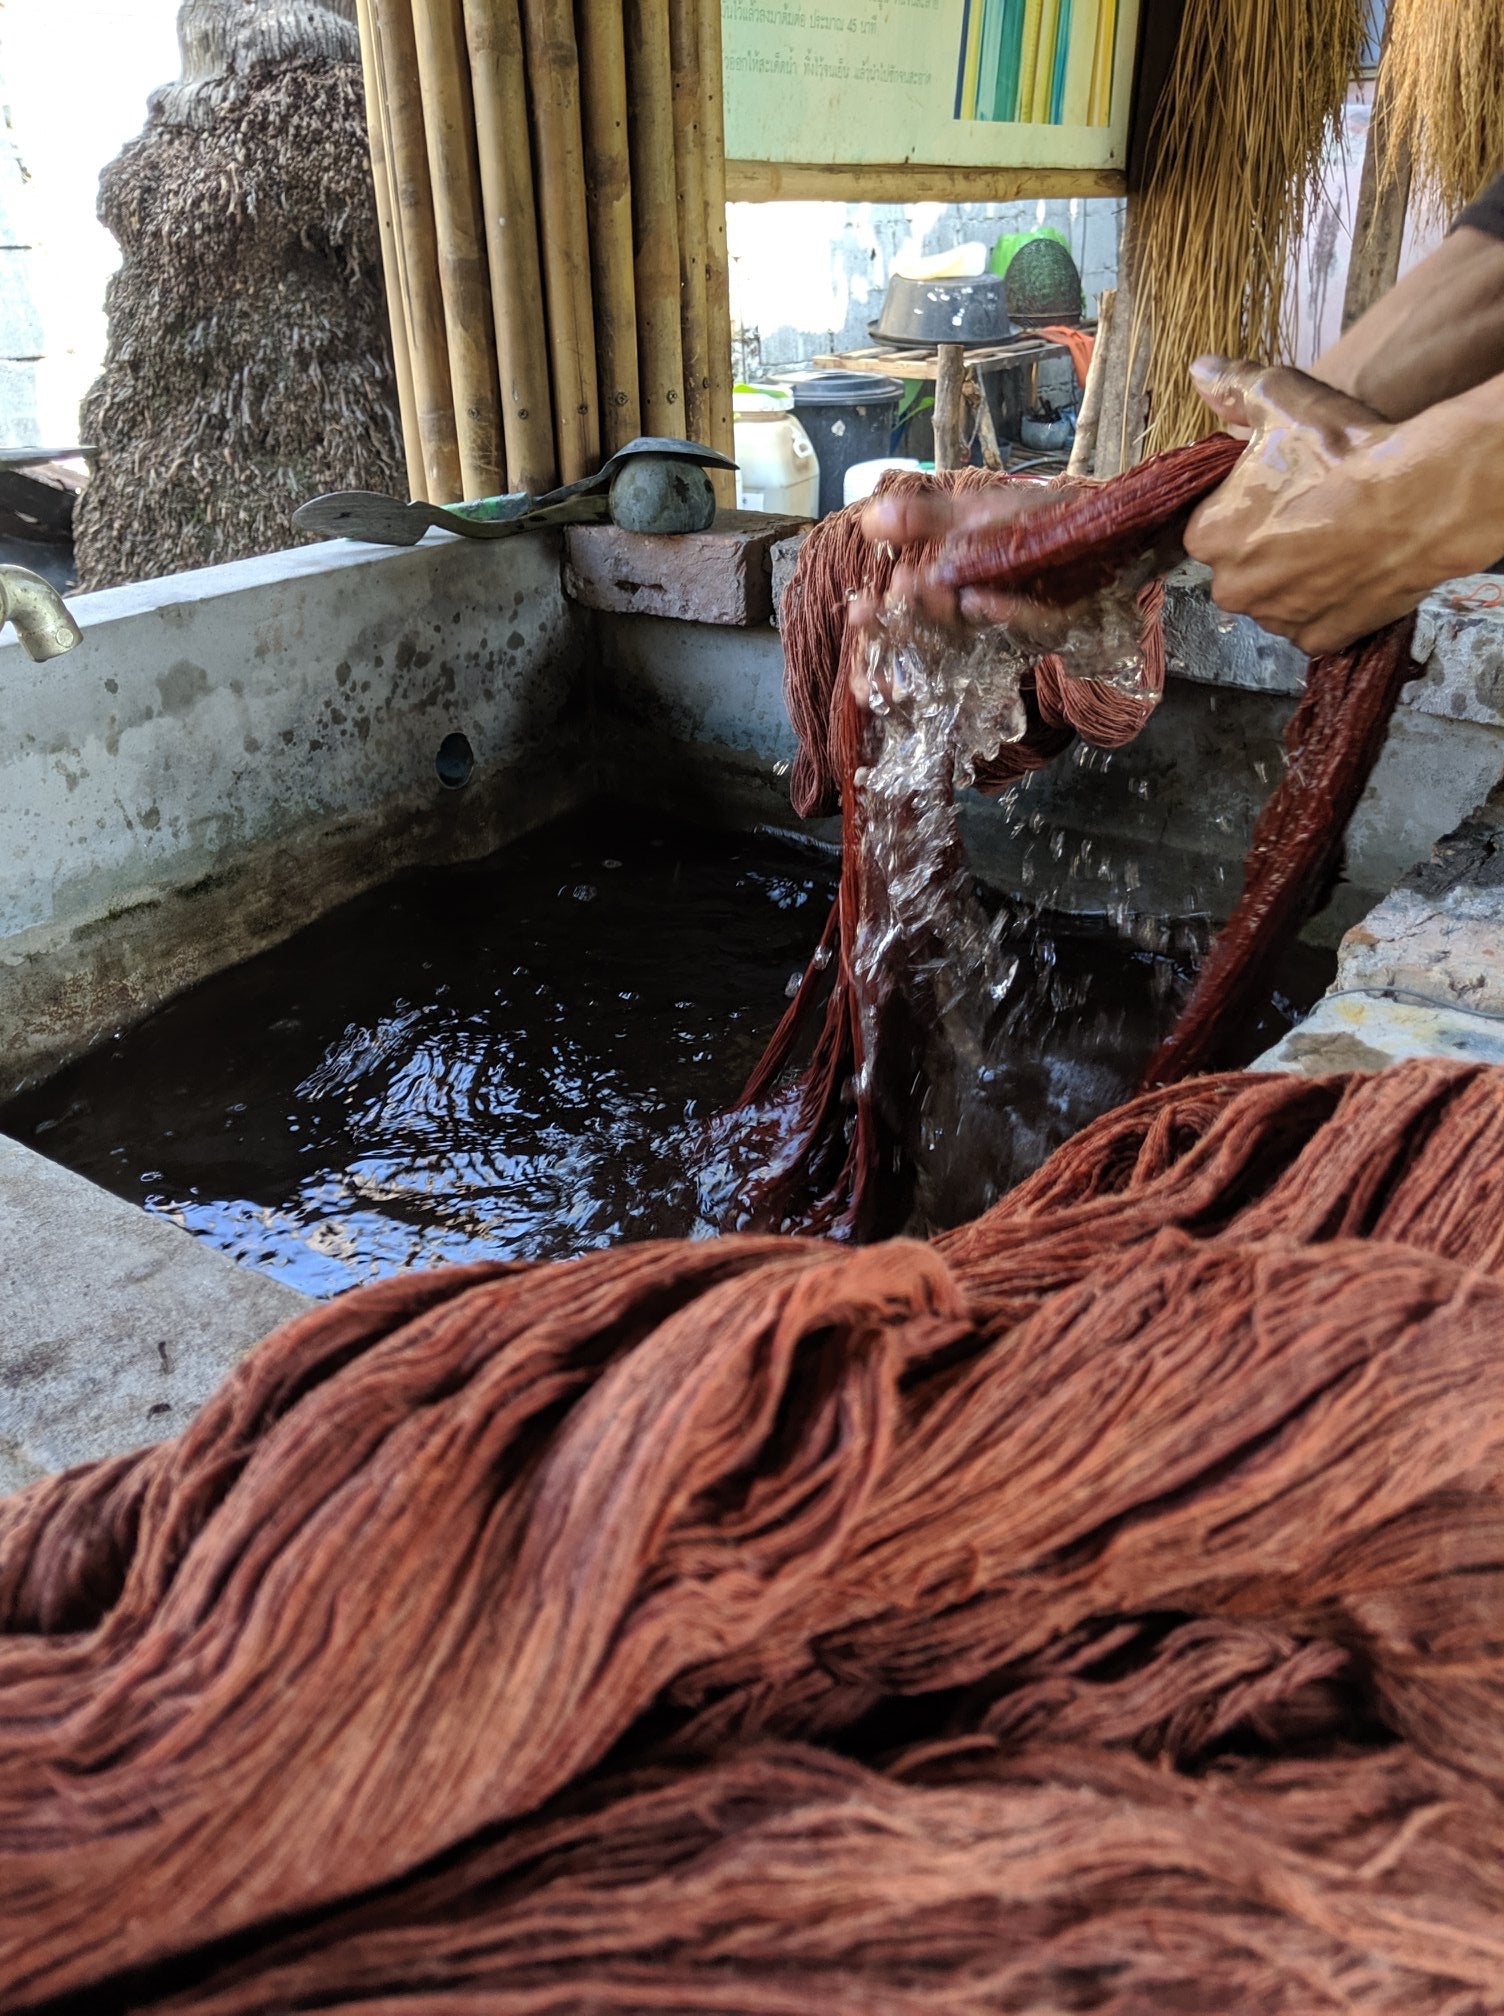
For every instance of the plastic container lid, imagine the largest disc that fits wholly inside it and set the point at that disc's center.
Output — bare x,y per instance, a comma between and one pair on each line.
749,401
843,388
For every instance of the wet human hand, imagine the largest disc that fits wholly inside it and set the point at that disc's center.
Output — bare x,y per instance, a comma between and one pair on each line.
1334,522
910,522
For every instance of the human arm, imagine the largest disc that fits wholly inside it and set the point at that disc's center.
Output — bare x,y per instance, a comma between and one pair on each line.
1438,332
1336,522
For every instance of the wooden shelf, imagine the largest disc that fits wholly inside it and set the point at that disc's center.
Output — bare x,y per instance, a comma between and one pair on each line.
925,364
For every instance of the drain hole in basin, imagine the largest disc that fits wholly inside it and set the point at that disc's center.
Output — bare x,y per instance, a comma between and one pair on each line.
455,761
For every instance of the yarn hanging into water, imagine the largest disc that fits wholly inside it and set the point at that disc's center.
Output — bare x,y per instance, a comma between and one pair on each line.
830,1162
1100,1608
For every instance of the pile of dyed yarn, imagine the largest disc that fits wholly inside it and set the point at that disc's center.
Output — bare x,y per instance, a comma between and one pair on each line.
1099,1608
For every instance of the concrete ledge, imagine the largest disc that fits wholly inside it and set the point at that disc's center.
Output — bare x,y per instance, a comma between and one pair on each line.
722,577
117,1326
230,753
1422,975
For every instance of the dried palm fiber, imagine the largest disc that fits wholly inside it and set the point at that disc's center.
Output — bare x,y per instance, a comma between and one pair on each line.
834,1158
1128,1572
1444,66
1237,149
248,364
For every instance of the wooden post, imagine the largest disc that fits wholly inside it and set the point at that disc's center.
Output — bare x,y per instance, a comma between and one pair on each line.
1125,366
407,160
689,165
655,216
608,184
992,449
390,268
720,423
449,122
949,405
493,30
1084,447
1383,199
553,68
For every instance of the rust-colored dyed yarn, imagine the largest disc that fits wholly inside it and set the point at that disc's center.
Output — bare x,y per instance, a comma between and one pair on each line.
1101,1608
827,1146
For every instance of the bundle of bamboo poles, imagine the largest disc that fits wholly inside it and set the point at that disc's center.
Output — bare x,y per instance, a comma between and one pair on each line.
551,186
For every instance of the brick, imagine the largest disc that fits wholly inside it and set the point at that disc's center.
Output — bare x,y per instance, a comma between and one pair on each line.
721,576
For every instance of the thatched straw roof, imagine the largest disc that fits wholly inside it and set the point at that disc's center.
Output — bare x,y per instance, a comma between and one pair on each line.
248,364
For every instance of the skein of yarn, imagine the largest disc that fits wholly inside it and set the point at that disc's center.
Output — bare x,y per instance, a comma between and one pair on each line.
1102,1607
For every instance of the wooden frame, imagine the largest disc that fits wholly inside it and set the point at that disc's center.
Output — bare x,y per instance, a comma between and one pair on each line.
910,182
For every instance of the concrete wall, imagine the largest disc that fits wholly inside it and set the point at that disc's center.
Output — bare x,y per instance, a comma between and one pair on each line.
1159,828
231,752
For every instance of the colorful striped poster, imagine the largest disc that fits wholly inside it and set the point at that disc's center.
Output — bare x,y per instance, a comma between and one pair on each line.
1037,62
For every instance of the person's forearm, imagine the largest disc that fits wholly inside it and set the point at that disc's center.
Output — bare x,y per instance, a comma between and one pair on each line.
1444,466
1437,334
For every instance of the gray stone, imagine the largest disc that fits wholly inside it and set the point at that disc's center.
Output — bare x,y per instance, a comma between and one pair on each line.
115,1326
1439,934
785,561
1459,641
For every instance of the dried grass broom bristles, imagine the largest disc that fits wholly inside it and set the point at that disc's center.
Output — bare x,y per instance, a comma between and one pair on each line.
1238,144
1444,66
248,365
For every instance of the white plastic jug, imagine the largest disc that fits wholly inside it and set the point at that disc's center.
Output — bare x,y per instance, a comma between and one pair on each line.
862,478
777,468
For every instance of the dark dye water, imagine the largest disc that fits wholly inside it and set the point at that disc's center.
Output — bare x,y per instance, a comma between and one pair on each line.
518,1059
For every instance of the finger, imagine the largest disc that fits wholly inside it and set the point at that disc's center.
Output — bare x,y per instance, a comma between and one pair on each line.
1225,384
908,520
1252,396
862,610
1033,625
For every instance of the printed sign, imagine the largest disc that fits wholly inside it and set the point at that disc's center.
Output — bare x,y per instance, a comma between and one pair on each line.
932,83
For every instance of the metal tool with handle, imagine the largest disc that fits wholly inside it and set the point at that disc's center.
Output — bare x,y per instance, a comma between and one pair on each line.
387,521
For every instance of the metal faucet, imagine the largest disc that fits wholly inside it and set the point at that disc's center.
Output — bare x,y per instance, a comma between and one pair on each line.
40,614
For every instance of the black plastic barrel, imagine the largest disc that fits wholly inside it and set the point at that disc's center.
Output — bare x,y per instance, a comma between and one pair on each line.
850,417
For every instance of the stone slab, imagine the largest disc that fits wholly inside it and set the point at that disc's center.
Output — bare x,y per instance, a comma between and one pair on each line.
1440,932
785,560
723,576
1365,1032
114,1326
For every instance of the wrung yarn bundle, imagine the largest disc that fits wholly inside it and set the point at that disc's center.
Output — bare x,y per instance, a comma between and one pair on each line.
830,1163
1101,1608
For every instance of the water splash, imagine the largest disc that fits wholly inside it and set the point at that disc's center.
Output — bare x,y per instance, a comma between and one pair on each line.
960,995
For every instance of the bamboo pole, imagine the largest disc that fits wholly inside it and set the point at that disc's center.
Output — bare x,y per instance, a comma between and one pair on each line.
412,448
396,65
454,170
553,69
655,216
493,30
608,185
689,167
720,423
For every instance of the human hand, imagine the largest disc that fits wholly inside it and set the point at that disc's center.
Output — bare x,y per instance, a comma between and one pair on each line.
911,522
1334,522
